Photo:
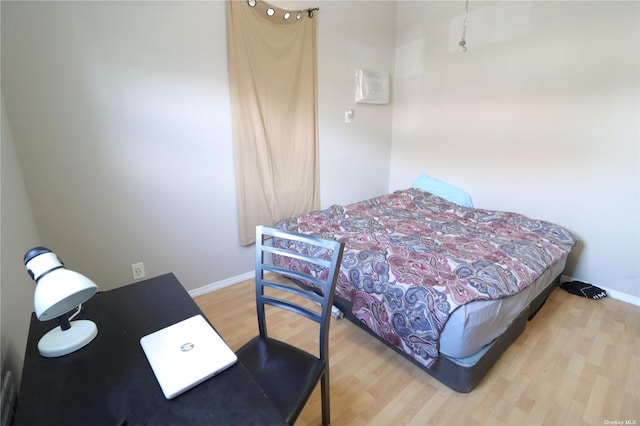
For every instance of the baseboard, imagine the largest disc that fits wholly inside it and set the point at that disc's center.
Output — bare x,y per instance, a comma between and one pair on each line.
614,294
220,284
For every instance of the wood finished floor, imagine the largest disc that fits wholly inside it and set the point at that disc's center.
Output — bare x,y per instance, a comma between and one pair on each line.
577,363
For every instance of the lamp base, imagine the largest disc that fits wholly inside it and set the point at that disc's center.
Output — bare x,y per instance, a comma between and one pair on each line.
58,342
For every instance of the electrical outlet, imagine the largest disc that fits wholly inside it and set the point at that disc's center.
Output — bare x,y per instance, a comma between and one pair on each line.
137,270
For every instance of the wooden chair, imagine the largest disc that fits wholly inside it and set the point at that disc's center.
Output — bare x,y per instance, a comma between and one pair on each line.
287,374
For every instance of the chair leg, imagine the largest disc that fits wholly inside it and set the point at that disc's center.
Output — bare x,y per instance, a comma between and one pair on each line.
326,403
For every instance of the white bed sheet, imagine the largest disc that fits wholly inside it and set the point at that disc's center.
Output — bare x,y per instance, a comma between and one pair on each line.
476,324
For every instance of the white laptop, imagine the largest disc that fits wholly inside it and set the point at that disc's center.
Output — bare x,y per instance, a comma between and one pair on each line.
186,354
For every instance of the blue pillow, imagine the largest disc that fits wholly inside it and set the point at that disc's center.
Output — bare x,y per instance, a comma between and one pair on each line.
443,190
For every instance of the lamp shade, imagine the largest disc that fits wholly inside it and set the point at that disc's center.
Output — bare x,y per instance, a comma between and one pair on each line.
58,289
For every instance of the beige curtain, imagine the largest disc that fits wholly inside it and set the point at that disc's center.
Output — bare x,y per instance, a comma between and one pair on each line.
272,73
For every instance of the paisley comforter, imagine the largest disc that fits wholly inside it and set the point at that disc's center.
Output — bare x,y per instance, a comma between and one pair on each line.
411,258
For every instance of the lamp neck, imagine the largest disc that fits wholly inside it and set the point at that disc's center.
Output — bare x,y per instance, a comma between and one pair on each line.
64,322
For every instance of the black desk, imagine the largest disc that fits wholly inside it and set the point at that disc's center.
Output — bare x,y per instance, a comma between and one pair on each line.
110,382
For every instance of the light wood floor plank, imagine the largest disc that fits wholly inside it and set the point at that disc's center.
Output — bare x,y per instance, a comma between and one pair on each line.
576,363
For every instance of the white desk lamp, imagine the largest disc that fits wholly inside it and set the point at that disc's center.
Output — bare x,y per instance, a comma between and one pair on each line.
58,291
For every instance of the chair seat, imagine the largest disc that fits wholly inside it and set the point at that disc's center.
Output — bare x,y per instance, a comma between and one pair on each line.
286,374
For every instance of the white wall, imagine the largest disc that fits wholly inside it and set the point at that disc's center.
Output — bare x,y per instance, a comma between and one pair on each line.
121,121
354,157
120,115
540,116
17,231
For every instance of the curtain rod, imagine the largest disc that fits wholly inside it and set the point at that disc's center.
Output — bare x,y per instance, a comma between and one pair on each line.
310,11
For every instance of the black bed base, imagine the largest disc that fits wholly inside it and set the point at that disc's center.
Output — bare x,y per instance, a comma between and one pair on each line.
463,378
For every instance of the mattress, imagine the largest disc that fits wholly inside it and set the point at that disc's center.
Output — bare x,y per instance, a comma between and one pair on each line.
476,324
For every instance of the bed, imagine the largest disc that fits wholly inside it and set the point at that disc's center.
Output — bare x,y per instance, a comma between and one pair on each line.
446,286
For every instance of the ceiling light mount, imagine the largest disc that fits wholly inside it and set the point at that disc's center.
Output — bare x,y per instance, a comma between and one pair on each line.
463,43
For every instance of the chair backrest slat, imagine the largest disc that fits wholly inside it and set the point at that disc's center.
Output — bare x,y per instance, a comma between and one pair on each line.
283,304
296,275
300,256
293,290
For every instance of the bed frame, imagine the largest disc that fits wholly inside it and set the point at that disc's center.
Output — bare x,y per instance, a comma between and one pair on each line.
460,377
